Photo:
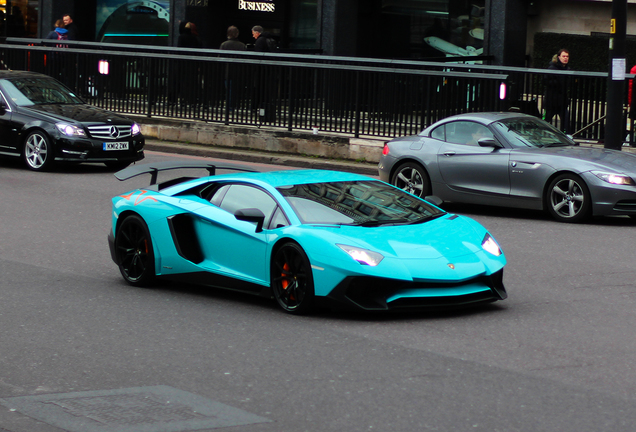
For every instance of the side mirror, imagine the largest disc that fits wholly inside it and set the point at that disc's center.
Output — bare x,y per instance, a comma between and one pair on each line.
251,215
435,200
489,142
3,107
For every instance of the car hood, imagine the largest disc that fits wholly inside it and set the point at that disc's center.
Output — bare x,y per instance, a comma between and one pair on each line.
583,158
448,237
83,113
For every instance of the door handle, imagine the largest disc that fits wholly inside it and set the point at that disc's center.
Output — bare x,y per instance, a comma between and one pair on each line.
449,153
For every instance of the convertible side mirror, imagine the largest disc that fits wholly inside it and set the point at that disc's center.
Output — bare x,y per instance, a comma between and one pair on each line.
3,107
435,200
251,215
489,142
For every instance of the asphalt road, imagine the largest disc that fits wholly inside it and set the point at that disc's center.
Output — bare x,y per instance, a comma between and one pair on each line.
557,355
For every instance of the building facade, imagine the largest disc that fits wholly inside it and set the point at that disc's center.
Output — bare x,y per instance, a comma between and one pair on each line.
397,29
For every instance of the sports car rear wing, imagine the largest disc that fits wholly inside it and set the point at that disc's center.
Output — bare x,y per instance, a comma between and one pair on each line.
155,168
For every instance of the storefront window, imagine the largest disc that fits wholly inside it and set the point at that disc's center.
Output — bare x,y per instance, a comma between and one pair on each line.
140,22
429,28
20,20
303,26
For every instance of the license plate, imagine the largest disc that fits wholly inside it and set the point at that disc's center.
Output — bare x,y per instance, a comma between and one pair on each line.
116,146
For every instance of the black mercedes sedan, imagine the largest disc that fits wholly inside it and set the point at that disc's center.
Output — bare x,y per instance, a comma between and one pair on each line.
44,122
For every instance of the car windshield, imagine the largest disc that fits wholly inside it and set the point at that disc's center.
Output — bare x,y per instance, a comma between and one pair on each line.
364,203
531,132
39,91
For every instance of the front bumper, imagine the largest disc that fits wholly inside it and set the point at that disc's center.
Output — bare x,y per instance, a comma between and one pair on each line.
609,199
92,150
378,294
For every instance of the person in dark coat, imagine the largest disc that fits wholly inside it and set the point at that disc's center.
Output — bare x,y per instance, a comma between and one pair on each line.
16,25
556,100
186,38
261,44
232,42
185,82
71,27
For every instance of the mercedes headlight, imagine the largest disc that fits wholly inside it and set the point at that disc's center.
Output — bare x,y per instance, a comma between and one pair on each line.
363,256
135,129
617,179
70,130
489,244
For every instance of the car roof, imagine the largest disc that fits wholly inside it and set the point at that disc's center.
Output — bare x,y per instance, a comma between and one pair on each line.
20,74
293,177
486,117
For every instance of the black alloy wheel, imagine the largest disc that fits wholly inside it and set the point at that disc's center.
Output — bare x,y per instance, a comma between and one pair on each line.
37,151
292,280
412,178
568,198
134,252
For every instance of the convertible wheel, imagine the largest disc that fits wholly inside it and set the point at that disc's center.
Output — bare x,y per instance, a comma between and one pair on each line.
37,152
412,178
568,198
292,280
134,252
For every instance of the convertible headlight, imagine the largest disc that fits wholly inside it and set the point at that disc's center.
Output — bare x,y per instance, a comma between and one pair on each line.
70,130
617,179
363,256
490,245
135,129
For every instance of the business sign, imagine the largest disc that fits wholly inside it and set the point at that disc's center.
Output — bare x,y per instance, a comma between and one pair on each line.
258,6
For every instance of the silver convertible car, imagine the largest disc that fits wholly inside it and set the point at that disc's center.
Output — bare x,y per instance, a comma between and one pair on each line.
512,160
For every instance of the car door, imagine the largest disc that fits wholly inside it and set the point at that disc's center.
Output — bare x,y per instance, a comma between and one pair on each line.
468,169
232,247
8,133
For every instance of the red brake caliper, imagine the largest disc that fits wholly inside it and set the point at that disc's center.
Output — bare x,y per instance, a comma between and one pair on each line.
285,282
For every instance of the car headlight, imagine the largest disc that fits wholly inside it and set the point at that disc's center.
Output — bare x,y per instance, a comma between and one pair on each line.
617,179
135,129
489,244
70,130
363,256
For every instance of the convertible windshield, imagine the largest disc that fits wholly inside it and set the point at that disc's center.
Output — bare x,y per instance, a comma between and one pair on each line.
530,132
39,91
365,203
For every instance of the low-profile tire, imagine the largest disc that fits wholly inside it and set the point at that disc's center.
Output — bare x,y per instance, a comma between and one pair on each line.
116,165
568,198
411,177
37,151
292,279
135,255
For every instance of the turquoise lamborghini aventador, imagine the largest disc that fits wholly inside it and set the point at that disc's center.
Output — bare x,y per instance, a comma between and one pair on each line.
304,238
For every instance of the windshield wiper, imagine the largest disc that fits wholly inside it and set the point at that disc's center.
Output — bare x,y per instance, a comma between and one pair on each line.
402,221
426,218
556,144
374,223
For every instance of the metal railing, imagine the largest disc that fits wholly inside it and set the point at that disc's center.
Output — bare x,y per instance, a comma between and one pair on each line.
352,96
